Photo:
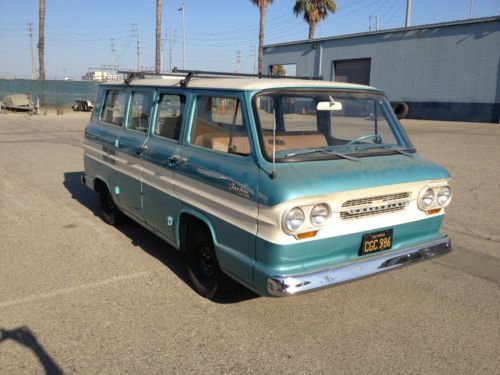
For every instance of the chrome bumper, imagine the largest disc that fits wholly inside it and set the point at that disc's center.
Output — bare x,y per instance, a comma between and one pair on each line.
280,286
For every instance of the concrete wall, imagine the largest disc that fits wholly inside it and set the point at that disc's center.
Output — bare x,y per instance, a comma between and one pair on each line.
446,71
50,93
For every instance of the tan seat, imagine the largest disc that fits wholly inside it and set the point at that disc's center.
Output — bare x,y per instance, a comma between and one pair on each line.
237,144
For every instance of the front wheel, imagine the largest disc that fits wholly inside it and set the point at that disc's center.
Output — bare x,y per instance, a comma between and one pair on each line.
203,268
110,214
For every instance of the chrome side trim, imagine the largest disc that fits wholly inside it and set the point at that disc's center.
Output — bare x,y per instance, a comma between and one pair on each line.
280,286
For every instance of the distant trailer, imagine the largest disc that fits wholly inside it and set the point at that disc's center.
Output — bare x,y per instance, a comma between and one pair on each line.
443,71
17,102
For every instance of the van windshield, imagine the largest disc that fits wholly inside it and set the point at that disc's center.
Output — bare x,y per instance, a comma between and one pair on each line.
319,124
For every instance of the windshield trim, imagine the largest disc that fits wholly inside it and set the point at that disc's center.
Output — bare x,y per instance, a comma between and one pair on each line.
306,91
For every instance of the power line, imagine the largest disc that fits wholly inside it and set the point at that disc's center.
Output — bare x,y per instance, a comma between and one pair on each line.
396,12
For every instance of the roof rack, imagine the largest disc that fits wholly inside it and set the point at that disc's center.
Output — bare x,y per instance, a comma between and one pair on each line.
188,74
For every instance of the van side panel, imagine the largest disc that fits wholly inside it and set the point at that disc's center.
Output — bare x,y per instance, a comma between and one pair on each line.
223,188
100,156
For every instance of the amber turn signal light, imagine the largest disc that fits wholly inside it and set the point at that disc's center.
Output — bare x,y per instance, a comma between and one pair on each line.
301,236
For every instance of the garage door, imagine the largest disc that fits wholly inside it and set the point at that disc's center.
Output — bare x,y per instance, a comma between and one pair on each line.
352,71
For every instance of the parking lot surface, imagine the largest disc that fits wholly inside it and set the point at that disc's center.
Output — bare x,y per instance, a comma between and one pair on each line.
79,296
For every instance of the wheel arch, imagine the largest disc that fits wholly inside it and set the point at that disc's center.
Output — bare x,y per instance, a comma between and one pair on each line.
100,183
189,217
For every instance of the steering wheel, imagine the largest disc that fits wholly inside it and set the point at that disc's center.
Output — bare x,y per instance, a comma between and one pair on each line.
376,138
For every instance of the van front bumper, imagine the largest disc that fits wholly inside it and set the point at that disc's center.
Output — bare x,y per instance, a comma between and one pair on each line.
281,286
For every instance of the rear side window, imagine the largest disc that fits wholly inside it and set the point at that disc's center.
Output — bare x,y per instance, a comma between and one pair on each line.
113,110
140,111
218,124
170,113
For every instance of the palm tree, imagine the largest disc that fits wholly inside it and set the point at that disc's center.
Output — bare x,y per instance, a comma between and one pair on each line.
314,11
262,4
41,40
158,36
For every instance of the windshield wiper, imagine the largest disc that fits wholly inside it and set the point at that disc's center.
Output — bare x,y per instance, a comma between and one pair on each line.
327,151
388,147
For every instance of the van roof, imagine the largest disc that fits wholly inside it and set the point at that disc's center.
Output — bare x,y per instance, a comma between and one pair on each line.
246,84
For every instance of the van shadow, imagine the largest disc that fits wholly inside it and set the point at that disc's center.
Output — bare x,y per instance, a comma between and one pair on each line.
144,239
23,335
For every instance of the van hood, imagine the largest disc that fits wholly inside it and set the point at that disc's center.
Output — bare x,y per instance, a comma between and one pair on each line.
311,178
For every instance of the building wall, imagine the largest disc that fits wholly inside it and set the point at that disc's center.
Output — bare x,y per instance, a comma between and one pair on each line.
442,72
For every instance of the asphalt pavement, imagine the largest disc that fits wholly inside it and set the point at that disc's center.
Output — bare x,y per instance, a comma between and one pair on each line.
80,297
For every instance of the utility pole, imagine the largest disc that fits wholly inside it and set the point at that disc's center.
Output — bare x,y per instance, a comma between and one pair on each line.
471,7
238,61
181,9
135,32
408,13
30,29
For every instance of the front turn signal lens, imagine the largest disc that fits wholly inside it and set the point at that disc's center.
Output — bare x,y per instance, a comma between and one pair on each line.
311,234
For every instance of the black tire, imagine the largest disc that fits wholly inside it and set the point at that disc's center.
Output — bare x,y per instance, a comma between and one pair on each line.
207,279
110,214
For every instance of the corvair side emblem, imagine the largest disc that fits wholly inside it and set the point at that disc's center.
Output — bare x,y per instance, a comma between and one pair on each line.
238,190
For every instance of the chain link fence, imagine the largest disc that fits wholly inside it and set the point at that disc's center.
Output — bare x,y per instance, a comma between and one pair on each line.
50,93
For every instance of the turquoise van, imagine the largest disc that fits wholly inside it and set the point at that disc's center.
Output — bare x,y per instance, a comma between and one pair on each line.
282,185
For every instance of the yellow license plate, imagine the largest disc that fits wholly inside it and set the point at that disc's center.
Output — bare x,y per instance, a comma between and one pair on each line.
375,242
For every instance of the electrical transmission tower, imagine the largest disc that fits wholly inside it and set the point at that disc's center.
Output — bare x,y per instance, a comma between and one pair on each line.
253,52
114,66
135,33
30,30
238,61
374,23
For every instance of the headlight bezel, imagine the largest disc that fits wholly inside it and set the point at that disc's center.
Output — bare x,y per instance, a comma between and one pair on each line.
435,191
317,207
449,195
307,225
286,219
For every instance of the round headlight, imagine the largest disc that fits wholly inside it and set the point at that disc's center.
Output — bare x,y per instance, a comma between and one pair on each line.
427,198
444,196
319,214
294,219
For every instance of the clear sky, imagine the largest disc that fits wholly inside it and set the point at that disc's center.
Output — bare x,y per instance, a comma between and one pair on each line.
78,33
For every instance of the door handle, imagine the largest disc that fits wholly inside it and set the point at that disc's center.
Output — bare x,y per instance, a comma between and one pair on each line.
142,148
176,159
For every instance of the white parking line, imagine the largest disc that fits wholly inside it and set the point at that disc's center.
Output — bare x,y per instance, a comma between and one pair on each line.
75,288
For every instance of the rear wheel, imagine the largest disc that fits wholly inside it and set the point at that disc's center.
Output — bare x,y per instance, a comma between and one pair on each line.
203,268
110,213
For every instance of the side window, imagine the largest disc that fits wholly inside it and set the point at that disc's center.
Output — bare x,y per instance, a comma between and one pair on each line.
140,111
218,124
113,110
170,113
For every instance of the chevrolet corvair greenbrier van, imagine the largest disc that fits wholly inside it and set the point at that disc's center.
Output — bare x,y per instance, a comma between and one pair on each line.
282,185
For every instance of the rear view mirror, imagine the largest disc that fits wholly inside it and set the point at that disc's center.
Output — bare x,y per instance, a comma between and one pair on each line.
329,106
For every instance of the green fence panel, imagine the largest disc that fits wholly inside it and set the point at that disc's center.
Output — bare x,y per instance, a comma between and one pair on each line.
51,93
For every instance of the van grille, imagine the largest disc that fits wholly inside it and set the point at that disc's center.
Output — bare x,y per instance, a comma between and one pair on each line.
376,205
